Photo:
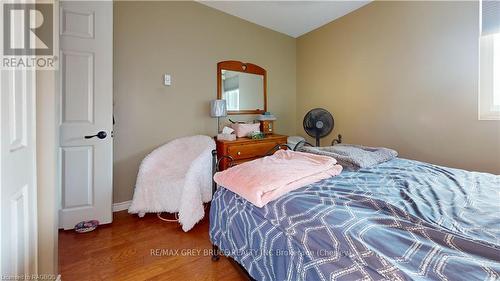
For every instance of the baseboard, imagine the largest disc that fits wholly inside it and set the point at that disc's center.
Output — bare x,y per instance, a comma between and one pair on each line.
121,206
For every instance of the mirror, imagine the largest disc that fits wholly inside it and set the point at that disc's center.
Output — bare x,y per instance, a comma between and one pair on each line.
243,86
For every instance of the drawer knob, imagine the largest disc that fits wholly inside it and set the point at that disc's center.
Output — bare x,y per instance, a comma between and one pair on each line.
239,153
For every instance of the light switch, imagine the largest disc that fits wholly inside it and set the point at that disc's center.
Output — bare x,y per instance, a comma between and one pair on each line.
167,79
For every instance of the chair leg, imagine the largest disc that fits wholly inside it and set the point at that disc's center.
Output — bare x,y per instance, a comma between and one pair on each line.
215,253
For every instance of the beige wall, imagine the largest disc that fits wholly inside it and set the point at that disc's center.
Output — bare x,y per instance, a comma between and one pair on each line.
185,39
402,75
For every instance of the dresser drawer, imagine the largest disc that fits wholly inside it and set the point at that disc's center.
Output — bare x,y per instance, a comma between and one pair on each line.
246,151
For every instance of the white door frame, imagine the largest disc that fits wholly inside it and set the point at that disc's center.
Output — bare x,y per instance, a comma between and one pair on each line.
47,144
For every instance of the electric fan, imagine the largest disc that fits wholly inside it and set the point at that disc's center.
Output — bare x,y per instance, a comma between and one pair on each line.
318,123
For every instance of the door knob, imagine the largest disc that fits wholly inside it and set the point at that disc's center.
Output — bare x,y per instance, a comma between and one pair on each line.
101,135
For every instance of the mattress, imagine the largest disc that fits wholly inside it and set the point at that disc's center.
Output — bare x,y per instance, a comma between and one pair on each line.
401,220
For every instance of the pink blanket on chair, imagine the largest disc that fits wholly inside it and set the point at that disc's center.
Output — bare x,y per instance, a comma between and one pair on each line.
262,180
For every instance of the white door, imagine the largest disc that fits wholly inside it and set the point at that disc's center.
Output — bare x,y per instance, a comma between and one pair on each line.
18,216
86,119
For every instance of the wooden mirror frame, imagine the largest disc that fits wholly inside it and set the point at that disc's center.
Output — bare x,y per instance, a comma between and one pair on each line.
245,68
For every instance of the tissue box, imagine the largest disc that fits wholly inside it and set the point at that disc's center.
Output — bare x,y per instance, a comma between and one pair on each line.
227,137
242,130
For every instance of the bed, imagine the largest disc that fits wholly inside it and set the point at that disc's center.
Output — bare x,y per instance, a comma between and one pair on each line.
401,220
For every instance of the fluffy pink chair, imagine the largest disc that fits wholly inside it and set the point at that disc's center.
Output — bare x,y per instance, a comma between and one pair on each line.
176,177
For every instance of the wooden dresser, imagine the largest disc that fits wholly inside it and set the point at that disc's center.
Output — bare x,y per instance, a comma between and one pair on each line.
245,149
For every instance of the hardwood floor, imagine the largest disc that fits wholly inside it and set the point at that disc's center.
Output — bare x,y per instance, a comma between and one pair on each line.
142,249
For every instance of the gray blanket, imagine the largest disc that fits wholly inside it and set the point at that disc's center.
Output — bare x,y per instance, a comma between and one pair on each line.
354,157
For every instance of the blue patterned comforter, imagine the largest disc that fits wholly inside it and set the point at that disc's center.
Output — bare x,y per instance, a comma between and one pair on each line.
402,220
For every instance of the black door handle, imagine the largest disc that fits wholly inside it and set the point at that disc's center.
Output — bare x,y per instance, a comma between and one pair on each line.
101,135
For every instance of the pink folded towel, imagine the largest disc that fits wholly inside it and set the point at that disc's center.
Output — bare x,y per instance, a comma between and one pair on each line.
262,180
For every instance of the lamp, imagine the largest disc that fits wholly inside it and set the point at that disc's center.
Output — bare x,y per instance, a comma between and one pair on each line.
218,109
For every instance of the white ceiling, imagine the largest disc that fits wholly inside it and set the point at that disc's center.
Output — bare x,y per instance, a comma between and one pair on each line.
293,18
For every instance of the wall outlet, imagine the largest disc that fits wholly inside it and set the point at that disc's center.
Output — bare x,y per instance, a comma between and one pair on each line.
167,80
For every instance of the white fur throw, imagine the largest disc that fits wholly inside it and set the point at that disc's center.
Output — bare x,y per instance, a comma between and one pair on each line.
176,177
